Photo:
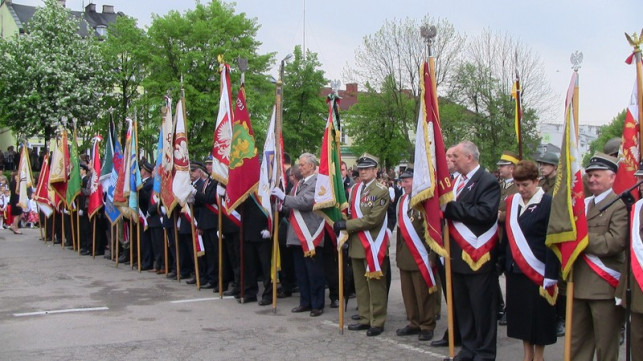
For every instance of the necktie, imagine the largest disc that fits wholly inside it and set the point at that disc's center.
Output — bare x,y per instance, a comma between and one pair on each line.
591,205
461,185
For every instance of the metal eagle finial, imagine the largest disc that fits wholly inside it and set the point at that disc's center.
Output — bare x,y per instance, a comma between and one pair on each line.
635,41
576,58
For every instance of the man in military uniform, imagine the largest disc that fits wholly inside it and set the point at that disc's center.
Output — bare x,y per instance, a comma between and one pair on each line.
85,232
415,261
473,218
597,320
506,165
635,281
368,244
548,165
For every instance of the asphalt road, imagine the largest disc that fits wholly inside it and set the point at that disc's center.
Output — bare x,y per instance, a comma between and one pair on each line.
57,305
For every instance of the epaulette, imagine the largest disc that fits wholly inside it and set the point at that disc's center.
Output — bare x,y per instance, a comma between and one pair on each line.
381,186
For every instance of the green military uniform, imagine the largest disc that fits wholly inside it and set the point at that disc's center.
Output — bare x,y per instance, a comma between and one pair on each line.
372,295
547,184
419,301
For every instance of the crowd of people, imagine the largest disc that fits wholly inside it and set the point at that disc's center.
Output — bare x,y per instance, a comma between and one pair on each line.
497,225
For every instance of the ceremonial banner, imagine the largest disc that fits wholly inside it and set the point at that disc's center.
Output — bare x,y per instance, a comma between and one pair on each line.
223,130
25,178
121,193
112,212
244,161
134,175
60,166
74,183
108,165
330,196
96,195
156,174
432,187
268,176
41,196
182,185
628,155
167,158
567,230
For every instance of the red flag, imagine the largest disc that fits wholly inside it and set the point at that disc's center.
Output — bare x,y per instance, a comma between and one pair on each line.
167,158
243,171
223,130
628,155
96,195
41,196
59,172
431,180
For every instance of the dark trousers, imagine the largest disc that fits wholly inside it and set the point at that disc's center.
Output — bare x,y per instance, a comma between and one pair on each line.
310,277
85,233
186,256
443,284
330,269
476,302
211,258
232,249
172,248
68,229
287,277
257,261
158,244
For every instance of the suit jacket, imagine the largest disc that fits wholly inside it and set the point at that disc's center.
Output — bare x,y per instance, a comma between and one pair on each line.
145,194
255,220
477,208
637,293
303,201
85,191
206,194
373,211
607,240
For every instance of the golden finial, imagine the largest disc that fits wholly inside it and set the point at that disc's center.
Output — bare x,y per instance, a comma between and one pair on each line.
635,41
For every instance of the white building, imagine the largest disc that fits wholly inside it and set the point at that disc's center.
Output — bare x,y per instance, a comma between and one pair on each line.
552,133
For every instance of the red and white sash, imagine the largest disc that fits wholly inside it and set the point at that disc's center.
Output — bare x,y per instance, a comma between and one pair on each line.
375,249
610,275
475,250
522,254
196,237
235,216
415,244
637,244
308,241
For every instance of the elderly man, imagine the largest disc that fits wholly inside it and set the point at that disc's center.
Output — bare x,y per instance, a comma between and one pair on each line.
306,237
597,320
473,227
368,246
415,261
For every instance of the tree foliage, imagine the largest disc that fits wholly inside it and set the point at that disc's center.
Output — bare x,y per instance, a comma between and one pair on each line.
50,72
305,111
612,130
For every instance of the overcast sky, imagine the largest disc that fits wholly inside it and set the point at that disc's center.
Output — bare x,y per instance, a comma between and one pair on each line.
552,29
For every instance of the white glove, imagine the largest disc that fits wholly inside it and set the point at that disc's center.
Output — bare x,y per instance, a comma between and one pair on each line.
219,235
220,190
265,234
190,199
548,282
163,211
80,212
193,191
155,197
277,192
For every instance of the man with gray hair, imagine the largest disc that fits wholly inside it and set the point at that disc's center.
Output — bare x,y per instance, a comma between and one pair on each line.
306,237
473,225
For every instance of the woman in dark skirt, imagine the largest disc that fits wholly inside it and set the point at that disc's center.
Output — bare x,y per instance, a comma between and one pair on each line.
16,210
532,268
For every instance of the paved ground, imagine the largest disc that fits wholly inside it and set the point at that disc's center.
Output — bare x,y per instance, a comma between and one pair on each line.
143,316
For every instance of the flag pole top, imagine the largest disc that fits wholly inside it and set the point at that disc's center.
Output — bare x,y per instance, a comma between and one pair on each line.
428,32
635,41
576,59
242,63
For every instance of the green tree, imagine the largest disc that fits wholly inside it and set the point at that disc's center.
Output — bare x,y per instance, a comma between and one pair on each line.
187,47
51,72
305,111
607,132
380,123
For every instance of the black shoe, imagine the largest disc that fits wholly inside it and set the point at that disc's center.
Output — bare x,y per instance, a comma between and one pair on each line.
171,275
355,317
503,320
443,342
300,308
208,286
216,287
282,294
358,327
560,328
334,304
407,330
315,312
107,255
191,281
425,335
265,302
85,253
232,292
123,258
374,331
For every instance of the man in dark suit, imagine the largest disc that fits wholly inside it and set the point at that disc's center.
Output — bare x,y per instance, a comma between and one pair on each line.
472,218
257,251
144,197
205,200
83,206
597,320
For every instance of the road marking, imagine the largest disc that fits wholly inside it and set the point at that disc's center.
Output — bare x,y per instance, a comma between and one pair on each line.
88,309
201,299
396,343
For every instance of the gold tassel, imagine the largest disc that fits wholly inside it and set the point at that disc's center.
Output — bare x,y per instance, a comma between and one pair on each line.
551,299
475,265
309,253
433,289
374,275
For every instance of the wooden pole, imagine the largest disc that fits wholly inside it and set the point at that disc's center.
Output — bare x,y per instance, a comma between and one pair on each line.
53,227
195,239
94,237
220,240
72,229
569,314
340,265
176,248
78,230
41,226
115,242
275,250
131,243
62,229
241,263
167,265
449,291
138,244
